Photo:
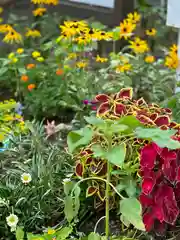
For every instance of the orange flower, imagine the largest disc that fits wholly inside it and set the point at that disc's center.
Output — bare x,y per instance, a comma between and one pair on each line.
30,65
24,78
59,72
31,87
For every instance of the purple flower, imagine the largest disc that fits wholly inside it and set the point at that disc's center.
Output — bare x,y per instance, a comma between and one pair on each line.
86,102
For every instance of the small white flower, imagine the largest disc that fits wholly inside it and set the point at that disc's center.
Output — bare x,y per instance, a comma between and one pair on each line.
12,220
26,178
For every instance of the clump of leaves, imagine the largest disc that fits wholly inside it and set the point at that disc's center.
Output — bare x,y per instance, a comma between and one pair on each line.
107,150
40,202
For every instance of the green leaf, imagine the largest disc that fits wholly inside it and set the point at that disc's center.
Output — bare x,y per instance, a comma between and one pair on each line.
77,192
154,132
68,208
94,120
19,234
63,233
68,186
22,70
130,121
31,236
78,138
128,185
117,128
117,155
161,137
98,151
124,221
3,70
131,209
94,236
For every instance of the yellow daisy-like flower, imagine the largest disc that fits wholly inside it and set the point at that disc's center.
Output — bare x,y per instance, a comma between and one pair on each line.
37,1
4,28
126,29
100,59
149,59
123,68
139,46
1,9
134,17
32,33
36,54
81,64
26,178
12,37
174,48
151,32
20,50
82,40
68,32
171,61
53,2
39,11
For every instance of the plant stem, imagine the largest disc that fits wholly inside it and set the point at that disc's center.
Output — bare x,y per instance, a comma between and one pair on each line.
107,200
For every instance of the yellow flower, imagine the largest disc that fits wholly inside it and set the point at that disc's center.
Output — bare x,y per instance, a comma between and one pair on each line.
126,29
20,50
11,55
12,36
174,48
50,231
14,60
151,32
72,55
133,17
68,31
82,40
124,59
32,33
36,54
171,61
100,59
2,136
53,2
81,64
123,68
149,59
39,11
139,46
5,28
1,9
37,1
40,59
8,118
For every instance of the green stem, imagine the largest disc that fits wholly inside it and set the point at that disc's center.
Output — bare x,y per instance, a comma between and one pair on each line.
107,200
100,179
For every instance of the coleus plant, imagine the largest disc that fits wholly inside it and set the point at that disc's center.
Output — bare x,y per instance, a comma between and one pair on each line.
107,151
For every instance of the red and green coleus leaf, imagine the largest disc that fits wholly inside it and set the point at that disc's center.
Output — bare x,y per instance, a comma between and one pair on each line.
162,121
102,98
91,191
125,93
119,109
79,169
103,108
